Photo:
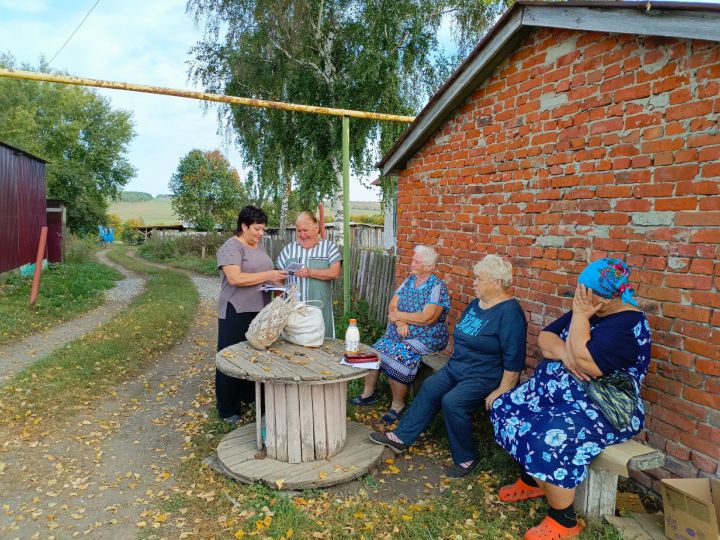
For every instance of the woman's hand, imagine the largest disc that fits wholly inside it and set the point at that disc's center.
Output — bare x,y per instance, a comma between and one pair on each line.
303,272
583,305
492,397
402,329
277,276
394,316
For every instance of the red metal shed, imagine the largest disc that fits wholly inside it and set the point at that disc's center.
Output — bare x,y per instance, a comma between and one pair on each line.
22,206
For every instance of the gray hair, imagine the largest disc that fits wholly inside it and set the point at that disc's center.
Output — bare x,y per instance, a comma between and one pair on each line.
495,267
429,255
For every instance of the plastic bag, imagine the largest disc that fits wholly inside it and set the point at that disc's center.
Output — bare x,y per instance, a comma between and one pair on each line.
267,325
305,325
616,395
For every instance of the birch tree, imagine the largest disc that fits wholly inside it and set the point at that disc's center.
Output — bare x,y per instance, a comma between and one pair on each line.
376,55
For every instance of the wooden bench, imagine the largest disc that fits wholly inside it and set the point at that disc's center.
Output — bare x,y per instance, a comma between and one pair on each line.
595,497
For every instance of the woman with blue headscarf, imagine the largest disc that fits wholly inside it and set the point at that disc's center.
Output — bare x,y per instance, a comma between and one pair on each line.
549,424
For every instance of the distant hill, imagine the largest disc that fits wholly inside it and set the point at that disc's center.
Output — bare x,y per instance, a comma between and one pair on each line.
135,196
157,211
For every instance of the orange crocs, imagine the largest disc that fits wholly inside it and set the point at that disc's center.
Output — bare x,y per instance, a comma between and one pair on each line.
549,529
519,491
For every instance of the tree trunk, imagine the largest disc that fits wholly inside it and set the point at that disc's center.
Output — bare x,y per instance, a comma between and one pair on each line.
285,201
337,204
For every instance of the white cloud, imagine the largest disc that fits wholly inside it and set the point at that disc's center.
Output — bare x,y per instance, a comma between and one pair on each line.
138,41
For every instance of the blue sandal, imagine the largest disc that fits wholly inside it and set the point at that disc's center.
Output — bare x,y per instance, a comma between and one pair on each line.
391,416
360,401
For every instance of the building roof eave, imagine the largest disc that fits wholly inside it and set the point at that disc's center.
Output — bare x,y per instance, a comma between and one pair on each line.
665,19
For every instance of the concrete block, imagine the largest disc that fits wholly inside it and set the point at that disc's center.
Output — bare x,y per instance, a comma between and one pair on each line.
653,219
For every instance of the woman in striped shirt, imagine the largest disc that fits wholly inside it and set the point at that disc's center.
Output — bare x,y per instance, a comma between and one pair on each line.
320,260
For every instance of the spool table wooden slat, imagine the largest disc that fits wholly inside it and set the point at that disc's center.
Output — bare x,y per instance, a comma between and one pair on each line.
305,402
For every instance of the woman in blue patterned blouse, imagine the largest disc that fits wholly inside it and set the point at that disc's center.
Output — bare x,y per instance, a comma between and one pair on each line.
549,424
416,326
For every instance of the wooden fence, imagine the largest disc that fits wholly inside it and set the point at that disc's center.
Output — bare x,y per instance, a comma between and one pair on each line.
372,274
372,278
361,235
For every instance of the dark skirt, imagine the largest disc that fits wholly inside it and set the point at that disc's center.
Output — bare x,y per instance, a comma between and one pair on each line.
232,393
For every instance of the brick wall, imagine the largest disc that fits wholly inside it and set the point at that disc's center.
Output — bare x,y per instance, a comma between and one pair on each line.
583,145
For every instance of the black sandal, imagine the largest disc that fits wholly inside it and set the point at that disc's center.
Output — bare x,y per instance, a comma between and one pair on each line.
391,416
360,401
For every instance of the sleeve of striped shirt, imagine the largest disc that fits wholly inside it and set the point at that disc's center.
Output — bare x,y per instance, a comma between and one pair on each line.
333,253
281,262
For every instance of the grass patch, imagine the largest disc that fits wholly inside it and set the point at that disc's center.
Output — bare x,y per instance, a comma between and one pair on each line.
66,291
88,368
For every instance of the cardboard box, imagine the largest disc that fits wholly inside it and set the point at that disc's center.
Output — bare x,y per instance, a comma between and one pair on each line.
692,508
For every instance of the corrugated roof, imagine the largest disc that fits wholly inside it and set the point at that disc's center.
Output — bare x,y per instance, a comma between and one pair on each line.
670,19
23,152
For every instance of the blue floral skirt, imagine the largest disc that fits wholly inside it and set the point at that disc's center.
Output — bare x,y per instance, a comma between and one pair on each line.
551,427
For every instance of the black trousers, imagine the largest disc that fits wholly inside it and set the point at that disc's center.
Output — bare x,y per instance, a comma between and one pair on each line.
231,393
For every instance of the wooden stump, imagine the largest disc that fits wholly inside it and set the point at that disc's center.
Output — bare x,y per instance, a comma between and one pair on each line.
304,422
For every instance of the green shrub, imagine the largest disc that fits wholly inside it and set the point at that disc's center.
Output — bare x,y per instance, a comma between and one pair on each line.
189,245
374,219
78,250
370,329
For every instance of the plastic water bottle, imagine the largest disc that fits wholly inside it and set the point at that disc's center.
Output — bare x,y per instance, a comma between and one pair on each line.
352,338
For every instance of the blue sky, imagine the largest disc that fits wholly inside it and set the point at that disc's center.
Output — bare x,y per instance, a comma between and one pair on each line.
140,41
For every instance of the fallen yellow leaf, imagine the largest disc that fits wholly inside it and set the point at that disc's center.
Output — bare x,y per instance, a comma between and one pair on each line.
279,482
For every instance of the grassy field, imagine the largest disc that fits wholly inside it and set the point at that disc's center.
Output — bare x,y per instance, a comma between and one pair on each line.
155,212
159,212
66,291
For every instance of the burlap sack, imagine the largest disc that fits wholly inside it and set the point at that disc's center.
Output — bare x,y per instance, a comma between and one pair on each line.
267,326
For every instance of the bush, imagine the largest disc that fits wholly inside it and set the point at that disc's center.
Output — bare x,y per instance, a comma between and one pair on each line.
370,329
188,245
375,219
129,234
78,250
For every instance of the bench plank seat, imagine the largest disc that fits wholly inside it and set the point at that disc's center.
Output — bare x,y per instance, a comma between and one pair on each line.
595,497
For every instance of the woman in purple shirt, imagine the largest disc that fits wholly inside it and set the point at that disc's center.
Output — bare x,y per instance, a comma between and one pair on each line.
243,267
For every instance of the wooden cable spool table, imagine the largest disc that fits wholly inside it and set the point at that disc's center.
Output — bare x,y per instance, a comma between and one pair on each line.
305,417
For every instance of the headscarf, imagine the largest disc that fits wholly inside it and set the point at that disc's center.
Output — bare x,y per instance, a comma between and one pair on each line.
609,278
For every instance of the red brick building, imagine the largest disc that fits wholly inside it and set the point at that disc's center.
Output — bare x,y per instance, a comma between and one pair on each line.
575,131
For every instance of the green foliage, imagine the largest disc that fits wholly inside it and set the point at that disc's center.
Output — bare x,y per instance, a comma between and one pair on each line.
185,251
135,196
76,130
66,291
79,250
207,191
182,249
64,381
129,233
376,219
380,56
370,329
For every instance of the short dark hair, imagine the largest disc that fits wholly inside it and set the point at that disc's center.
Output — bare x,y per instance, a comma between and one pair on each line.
250,215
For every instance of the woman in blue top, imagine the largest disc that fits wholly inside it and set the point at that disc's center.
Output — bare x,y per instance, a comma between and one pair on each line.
488,356
549,424
416,326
